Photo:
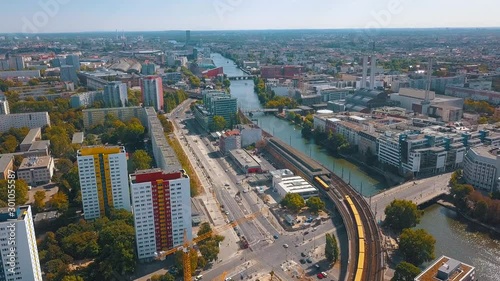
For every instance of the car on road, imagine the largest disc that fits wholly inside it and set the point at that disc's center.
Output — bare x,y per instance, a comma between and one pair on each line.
285,245
320,275
199,277
317,266
302,254
275,236
302,261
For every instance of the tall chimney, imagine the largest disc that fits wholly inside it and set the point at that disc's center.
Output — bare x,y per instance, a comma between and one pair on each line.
365,72
373,64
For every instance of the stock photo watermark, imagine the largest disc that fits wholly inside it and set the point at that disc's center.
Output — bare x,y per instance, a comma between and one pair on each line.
48,9
11,227
383,18
222,7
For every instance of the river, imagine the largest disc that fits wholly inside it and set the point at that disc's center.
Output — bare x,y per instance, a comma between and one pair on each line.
454,237
247,99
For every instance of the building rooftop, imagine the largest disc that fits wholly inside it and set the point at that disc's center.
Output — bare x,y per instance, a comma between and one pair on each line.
6,214
243,158
77,138
446,268
40,145
296,184
100,149
4,161
46,216
31,136
35,162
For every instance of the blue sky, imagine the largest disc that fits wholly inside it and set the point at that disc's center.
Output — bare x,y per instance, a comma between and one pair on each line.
133,15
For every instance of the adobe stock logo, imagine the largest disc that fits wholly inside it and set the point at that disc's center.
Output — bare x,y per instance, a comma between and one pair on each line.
222,7
40,19
383,18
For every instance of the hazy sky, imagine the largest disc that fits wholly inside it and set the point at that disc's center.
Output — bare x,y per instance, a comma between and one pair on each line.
30,16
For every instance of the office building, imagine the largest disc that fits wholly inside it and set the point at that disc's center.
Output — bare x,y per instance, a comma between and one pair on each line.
438,84
152,92
171,77
250,134
68,74
482,167
115,94
26,266
216,103
230,140
36,170
148,69
103,180
85,99
4,107
73,60
162,210
16,63
447,269
19,120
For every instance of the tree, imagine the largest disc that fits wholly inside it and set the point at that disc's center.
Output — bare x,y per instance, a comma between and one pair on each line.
209,248
166,277
72,278
39,203
416,246
401,214
219,123
64,165
331,248
315,204
405,272
193,255
294,202
481,210
117,241
21,191
59,201
141,160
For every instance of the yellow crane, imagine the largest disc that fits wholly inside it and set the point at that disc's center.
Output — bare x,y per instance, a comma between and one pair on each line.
186,246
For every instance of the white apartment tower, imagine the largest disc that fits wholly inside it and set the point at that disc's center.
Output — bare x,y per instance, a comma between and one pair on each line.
19,255
162,210
103,180
152,92
4,107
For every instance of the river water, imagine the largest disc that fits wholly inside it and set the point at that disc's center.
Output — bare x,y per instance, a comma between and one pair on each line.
454,237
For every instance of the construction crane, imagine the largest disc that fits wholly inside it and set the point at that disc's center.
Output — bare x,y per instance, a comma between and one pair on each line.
187,245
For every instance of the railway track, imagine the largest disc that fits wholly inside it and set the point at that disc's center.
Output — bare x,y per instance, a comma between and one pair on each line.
372,267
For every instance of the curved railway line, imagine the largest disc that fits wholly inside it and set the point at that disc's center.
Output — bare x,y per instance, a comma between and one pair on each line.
365,250
369,260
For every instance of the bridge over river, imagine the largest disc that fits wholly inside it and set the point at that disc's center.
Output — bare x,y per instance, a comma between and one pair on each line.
419,191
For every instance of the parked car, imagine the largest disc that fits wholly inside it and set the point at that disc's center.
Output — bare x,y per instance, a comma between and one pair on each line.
275,236
302,254
302,261
285,245
309,260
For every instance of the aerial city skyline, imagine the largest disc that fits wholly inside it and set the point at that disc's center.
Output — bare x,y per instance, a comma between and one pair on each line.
229,140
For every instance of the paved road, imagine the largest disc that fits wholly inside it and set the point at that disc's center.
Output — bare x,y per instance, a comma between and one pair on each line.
273,256
418,191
